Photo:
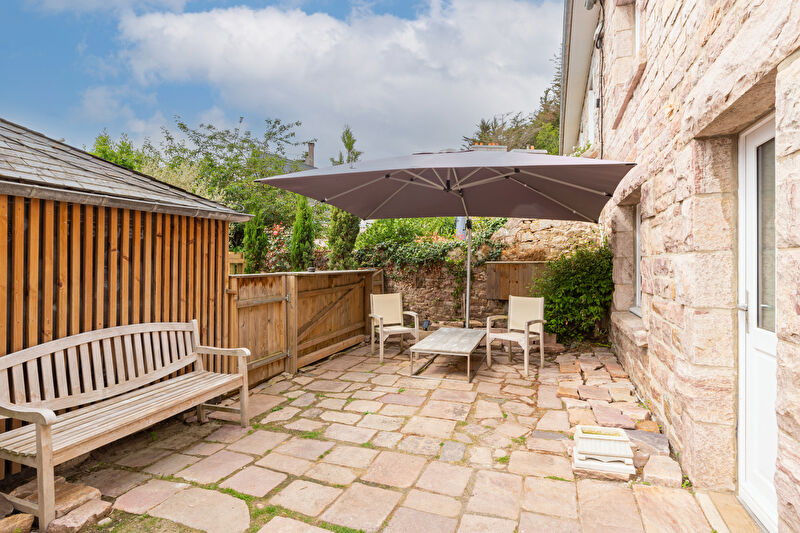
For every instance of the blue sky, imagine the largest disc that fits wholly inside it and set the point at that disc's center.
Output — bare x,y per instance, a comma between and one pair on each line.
406,75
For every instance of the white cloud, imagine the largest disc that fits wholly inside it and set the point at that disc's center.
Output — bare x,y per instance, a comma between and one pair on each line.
403,85
108,105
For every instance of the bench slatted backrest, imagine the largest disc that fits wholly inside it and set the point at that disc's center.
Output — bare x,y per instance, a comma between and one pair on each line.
99,364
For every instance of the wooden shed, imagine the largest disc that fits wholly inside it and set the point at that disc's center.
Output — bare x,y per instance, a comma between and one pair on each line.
87,244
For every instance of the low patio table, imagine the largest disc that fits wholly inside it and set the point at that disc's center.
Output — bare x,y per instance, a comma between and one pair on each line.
448,341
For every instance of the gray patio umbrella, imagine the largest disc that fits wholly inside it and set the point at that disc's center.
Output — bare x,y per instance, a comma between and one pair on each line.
484,181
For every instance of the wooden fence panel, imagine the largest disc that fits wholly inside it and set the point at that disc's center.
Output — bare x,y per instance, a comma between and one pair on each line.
504,278
67,268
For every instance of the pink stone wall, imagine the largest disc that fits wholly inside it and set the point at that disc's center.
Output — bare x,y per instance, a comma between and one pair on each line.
711,68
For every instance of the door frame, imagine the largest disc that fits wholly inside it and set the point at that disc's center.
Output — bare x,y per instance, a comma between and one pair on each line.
745,307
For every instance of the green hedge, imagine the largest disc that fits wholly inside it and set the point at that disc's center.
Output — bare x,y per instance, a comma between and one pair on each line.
577,289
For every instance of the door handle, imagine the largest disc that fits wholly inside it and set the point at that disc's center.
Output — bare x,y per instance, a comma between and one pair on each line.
745,308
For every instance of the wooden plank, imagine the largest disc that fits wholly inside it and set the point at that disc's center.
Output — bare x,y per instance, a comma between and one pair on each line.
204,284
34,252
17,276
74,372
174,270
113,266
255,302
166,267
108,361
158,260
86,367
291,321
97,365
197,276
226,309
149,361
328,336
48,271
4,274
328,290
136,259
147,269
222,249
119,360
60,359
138,354
303,330
75,270
130,365
191,288
99,268
210,293
125,268
88,268
328,350
182,272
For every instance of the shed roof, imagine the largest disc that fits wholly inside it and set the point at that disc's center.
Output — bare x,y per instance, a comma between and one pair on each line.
35,166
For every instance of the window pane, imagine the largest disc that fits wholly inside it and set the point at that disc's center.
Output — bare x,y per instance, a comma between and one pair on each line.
766,235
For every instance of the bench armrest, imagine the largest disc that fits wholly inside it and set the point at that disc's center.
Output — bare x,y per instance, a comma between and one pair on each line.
228,352
35,415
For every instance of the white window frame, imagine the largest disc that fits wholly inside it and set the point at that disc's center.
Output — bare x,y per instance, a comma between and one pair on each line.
637,262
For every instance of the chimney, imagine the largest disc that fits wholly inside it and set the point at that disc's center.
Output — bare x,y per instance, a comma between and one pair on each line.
310,156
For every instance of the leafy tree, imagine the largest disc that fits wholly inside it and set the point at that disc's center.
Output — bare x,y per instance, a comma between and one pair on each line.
255,243
121,152
343,227
301,251
520,130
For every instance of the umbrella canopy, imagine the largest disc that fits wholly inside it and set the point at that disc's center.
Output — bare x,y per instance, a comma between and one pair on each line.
495,183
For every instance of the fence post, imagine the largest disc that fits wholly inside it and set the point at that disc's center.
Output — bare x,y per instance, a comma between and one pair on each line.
291,322
368,280
233,313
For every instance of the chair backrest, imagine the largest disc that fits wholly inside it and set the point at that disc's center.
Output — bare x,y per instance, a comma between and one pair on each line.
389,306
98,364
524,308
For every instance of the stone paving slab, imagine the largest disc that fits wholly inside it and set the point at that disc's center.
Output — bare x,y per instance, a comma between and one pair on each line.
257,404
258,443
550,496
471,523
540,464
309,449
382,422
287,525
537,523
432,503
207,510
403,399
407,520
454,395
306,497
285,463
448,410
112,482
394,469
346,433
607,506
670,510
445,478
322,385
331,474
350,456
215,467
497,494
171,464
362,507
254,481
431,427
143,457
144,497
228,433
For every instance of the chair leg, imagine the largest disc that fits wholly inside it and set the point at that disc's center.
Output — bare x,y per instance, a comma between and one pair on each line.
541,350
401,342
380,347
244,400
45,479
509,352
372,340
489,351
525,361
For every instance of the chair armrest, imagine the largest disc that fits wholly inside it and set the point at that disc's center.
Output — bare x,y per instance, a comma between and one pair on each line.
415,316
379,318
228,352
410,313
492,318
536,321
35,415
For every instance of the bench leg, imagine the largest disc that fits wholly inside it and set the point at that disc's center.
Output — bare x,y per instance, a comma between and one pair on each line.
202,415
44,476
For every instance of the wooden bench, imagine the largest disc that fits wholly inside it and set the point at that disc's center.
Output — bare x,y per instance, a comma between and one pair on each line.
115,381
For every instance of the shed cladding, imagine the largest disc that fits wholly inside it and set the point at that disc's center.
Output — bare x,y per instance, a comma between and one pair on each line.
35,166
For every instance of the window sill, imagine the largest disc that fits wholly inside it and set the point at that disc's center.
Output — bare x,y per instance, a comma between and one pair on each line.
636,310
630,326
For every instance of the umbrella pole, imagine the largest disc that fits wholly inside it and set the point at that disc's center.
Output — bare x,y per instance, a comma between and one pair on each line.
469,269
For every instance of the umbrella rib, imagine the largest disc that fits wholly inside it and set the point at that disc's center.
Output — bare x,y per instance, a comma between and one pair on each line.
435,173
486,180
455,176
565,206
386,201
568,184
348,191
417,176
468,176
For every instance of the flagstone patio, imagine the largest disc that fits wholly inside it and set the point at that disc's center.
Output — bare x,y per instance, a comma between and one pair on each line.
357,444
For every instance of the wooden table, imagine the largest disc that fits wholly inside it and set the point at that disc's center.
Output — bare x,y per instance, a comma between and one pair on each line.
448,341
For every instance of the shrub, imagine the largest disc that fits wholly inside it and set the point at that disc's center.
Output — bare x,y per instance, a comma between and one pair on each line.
577,289
301,253
342,234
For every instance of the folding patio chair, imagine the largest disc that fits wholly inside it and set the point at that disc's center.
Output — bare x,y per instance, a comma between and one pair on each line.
387,316
525,318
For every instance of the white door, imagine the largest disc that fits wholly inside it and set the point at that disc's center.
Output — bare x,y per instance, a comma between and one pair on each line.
758,430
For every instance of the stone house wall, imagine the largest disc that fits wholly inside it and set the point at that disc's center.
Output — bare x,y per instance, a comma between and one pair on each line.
705,70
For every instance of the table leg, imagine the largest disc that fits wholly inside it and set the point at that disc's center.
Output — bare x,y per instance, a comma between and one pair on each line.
469,375
411,360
